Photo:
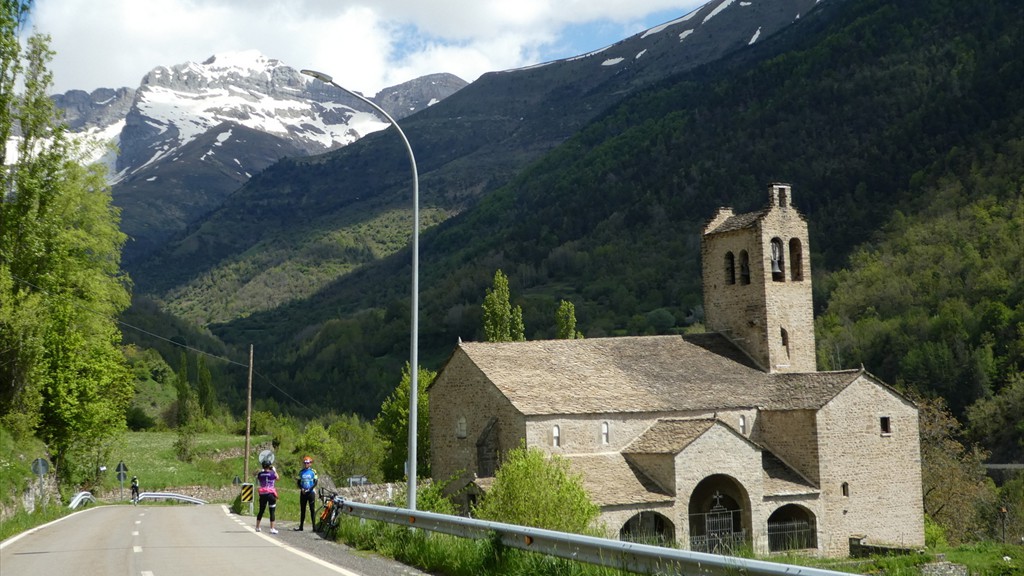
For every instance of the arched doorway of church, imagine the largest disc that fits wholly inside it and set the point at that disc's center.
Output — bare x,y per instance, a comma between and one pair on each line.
792,527
719,513
648,527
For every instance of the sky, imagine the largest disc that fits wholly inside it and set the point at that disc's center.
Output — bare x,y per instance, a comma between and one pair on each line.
366,45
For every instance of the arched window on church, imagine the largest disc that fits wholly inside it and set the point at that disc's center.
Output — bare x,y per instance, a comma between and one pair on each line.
796,260
778,261
785,340
556,436
730,268
744,267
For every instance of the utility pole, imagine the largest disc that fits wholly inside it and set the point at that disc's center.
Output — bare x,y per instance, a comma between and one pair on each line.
248,417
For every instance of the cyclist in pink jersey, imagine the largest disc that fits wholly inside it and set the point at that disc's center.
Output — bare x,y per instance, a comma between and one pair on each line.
268,495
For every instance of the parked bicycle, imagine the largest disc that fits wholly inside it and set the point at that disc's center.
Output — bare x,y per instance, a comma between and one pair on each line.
328,515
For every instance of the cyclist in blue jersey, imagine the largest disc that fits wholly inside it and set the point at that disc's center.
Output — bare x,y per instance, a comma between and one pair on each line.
307,483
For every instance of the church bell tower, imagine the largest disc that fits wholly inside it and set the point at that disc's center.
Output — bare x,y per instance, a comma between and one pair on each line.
757,283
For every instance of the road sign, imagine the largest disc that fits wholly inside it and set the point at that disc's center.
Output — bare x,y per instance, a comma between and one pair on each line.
121,467
121,476
247,492
40,467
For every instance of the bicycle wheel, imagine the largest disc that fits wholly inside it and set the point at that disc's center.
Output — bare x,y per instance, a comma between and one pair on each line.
323,515
331,531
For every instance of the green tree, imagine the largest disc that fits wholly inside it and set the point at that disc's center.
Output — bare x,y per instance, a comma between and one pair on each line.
532,488
61,372
207,396
392,426
502,322
995,421
566,320
360,450
186,397
958,495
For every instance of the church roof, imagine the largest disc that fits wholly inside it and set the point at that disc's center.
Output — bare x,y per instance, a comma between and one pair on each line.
738,222
782,480
643,374
611,480
669,436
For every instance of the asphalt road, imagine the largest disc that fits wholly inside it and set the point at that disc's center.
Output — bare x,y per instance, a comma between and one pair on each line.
180,539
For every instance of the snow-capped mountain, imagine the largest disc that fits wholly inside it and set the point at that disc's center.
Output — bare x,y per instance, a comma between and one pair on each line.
192,133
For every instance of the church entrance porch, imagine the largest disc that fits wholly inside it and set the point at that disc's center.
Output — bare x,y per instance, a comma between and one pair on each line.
719,516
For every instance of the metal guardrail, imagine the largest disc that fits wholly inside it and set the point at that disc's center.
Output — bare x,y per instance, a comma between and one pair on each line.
169,496
80,498
629,556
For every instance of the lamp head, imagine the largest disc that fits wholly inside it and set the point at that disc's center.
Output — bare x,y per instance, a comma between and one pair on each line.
326,79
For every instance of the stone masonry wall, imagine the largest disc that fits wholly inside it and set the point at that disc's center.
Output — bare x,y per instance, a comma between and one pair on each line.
753,315
462,392
882,471
792,435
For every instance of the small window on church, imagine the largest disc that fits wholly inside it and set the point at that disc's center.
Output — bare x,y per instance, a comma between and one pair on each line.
743,424
785,340
730,268
605,429
846,489
886,425
556,438
744,267
460,427
796,260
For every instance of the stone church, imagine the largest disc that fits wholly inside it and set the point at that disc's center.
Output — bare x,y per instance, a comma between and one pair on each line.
713,441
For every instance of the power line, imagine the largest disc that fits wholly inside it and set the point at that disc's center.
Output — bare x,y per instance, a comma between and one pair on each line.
81,306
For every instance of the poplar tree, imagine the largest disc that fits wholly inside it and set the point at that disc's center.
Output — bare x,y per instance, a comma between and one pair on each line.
502,322
565,318
62,374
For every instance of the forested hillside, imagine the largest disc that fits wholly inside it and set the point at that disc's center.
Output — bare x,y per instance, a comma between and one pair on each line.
890,120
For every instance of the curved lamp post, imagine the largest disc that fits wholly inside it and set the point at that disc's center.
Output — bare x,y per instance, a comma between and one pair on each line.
413,361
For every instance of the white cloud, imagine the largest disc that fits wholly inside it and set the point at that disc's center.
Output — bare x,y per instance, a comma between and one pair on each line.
365,45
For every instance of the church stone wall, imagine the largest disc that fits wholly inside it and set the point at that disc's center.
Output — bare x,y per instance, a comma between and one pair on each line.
793,437
461,391
881,471
754,313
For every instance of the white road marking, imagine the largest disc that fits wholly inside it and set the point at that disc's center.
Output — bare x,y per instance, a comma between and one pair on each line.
135,533
137,549
296,551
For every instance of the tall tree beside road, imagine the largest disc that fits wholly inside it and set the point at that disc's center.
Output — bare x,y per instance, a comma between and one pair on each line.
392,426
62,374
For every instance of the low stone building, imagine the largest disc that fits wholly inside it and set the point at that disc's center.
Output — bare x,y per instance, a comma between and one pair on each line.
714,441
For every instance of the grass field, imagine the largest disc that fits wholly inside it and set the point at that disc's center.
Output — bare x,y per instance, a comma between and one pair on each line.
151,457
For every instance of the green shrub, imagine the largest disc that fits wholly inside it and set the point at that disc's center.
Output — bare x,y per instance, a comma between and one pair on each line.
934,534
532,488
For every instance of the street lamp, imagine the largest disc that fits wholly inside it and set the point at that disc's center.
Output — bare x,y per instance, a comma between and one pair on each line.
413,360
